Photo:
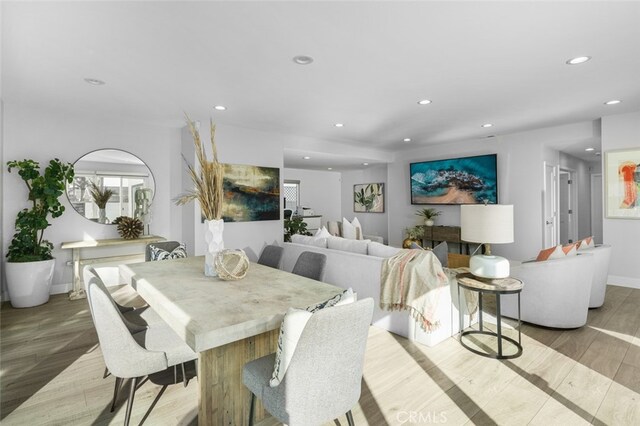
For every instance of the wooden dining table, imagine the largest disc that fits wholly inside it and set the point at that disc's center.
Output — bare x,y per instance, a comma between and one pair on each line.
228,323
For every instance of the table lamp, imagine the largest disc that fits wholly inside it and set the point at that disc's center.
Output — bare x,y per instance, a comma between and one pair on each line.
487,224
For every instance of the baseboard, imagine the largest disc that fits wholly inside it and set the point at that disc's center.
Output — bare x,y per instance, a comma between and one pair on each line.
624,281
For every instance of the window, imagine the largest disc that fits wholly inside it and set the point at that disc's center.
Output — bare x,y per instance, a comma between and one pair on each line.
291,194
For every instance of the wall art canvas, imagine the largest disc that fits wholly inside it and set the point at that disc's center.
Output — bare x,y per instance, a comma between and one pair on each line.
468,180
622,184
251,193
368,198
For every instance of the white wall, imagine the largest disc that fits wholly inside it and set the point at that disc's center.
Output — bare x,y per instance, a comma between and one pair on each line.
45,134
319,190
520,182
372,223
622,132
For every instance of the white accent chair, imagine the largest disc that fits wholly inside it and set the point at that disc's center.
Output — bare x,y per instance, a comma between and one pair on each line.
602,257
556,292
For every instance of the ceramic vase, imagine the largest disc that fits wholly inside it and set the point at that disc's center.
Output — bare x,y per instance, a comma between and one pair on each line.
102,216
213,230
428,222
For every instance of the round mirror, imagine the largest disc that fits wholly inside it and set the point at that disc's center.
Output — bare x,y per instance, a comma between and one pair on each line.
109,183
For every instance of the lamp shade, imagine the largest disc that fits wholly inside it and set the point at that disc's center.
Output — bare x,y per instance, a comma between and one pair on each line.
487,223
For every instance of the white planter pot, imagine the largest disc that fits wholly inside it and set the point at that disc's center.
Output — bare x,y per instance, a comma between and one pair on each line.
429,222
213,230
29,283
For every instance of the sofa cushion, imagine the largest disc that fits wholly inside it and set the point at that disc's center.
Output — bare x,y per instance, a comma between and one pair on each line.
343,244
309,241
380,250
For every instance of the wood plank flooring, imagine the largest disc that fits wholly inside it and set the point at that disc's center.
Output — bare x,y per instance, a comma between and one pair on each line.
51,374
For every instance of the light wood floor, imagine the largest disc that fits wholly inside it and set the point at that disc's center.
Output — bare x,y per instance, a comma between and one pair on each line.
51,373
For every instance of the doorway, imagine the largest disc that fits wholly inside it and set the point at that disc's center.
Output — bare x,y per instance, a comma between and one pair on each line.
550,208
596,207
567,206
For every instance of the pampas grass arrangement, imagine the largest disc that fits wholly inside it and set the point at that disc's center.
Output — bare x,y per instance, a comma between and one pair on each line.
208,180
100,195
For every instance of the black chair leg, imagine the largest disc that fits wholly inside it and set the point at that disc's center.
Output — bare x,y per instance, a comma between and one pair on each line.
252,408
132,392
350,418
106,373
115,393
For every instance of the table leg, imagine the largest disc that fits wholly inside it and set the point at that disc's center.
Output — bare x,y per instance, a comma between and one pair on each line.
223,399
460,314
480,310
499,325
78,288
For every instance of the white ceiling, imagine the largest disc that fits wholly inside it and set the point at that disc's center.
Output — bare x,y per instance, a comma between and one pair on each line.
479,62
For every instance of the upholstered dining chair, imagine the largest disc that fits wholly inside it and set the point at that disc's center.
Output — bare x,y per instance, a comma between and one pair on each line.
271,256
322,381
164,245
130,356
310,265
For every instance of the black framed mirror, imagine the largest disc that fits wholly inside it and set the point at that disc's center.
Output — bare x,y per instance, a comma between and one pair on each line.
109,183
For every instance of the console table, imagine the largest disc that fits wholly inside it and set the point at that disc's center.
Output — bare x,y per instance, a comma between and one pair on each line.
76,251
450,234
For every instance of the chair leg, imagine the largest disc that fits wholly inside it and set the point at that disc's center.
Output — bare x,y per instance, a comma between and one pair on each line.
350,418
184,376
175,374
115,393
252,408
106,373
132,392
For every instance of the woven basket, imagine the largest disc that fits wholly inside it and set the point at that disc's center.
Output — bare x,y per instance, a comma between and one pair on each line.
231,264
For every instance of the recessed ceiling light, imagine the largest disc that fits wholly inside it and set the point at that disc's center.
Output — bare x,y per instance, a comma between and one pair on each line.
406,140
598,154
306,157
589,149
302,59
94,81
613,102
329,168
339,125
220,108
365,164
578,60
487,125
424,102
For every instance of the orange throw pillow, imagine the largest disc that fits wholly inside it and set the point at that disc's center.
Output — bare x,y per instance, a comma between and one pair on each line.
550,253
570,249
585,243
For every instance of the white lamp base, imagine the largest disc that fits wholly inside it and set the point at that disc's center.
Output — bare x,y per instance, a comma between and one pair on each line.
489,266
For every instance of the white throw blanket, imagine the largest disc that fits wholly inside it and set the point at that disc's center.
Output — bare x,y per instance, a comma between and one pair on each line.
408,282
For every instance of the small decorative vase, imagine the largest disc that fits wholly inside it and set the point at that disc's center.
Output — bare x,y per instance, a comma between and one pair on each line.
102,216
429,222
213,238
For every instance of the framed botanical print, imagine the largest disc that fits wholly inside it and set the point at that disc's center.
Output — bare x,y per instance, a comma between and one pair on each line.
368,198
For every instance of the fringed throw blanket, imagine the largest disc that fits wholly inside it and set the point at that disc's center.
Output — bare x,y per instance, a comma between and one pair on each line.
408,281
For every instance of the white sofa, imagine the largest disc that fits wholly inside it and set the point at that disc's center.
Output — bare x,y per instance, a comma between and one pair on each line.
556,292
361,271
601,256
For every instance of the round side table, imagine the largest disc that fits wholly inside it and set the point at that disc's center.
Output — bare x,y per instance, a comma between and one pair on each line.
498,287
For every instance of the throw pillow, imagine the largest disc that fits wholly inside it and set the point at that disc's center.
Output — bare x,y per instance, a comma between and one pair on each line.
550,253
160,254
322,233
585,244
293,324
356,223
348,230
570,249
441,251
334,228
354,246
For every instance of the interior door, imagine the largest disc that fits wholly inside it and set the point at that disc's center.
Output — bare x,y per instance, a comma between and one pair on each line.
550,225
566,209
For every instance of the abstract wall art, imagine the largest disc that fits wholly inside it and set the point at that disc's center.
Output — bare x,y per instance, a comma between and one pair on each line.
368,198
622,184
251,193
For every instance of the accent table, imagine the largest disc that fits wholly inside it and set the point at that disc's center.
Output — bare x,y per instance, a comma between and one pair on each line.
491,286
76,246
228,323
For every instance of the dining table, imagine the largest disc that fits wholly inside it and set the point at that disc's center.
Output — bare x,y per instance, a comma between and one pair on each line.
228,323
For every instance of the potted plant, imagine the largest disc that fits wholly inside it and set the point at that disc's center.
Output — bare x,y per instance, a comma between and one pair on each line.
29,261
293,226
414,235
428,214
101,197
